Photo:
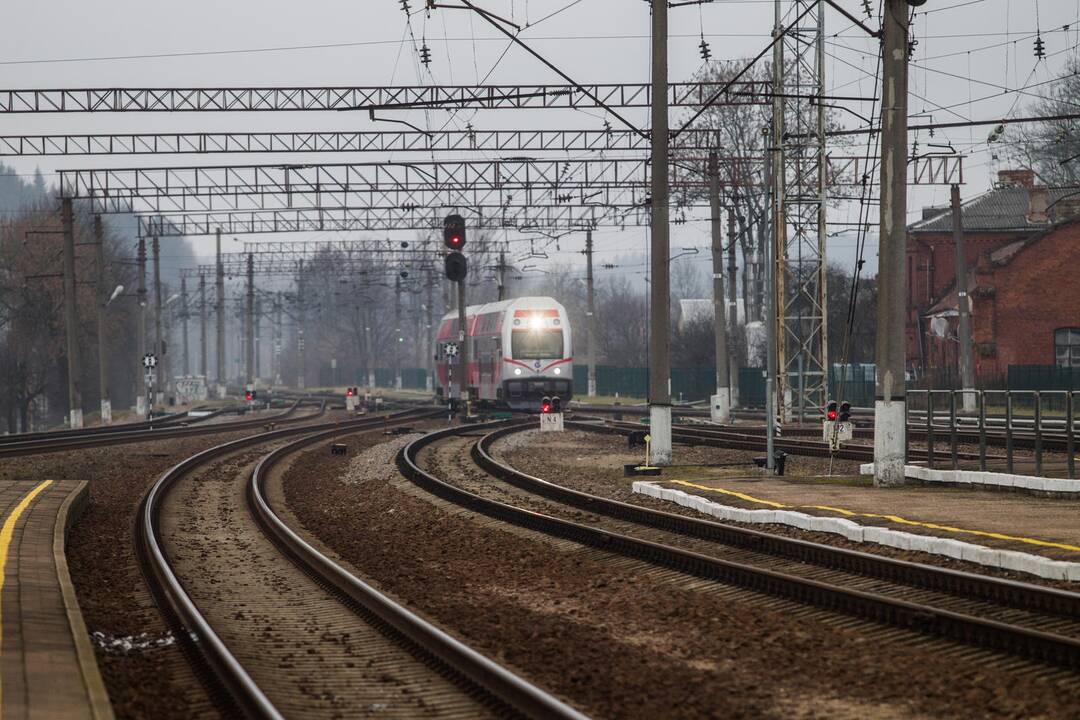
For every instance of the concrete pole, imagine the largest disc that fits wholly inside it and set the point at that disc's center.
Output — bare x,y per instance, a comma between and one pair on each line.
502,275
159,347
890,431
186,363
202,325
463,349
71,318
660,294
279,336
102,329
369,345
721,401
220,318
258,345
776,265
249,323
142,401
397,333
590,313
769,299
429,337
967,366
301,350
733,308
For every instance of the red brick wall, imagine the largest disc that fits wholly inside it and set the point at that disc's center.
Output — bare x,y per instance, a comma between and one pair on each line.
1037,293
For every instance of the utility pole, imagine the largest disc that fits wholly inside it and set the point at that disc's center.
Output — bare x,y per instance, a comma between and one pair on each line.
463,349
202,325
279,336
660,297
397,333
769,298
429,338
502,275
369,346
963,304
590,313
142,402
102,329
71,318
721,401
257,319
249,327
159,348
301,351
220,317
733,309
186,367
776,263
890,429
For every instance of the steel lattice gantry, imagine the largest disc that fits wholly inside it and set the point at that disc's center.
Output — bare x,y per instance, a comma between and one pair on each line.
545,217
604,140
300,99
801,294
610,182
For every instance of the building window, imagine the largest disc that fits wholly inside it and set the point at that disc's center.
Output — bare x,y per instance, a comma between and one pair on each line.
1067,347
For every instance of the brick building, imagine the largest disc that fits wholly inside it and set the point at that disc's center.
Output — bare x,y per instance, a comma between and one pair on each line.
1022,245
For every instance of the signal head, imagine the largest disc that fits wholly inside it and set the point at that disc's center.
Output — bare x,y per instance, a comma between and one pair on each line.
830,410
545,405
556,403
454,232
845,411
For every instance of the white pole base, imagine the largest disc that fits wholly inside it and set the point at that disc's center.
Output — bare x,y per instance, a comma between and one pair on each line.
592,386
720,408
106,412
140,406
660,431
890,436
76,418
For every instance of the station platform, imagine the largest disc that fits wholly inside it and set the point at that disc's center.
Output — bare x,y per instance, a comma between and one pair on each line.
47,664
1012,531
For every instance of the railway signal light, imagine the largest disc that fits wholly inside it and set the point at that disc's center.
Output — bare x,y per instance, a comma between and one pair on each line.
545,405
349,392
456,266
249,396
556,404
454,232
845,411
830,411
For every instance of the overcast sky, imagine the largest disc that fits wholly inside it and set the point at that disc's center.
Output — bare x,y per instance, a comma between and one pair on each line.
971,59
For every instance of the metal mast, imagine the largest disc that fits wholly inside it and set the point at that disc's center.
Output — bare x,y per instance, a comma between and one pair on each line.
799,255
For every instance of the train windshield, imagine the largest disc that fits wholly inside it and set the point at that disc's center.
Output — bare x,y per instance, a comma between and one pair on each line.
536,344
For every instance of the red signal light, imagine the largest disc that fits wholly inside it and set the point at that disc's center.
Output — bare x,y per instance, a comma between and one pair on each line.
832,414
455,242
545,408
247,396
348,392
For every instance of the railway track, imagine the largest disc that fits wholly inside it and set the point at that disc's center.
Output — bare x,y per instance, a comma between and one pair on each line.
78,441
1050,439
277,628
1009,618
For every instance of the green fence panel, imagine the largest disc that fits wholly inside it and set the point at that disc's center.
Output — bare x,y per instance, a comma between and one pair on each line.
751,387
1043,377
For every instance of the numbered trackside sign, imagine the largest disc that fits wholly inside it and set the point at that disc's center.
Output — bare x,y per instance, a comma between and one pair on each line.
551,422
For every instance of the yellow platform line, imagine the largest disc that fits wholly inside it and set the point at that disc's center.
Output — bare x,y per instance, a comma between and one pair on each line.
6,534
891,518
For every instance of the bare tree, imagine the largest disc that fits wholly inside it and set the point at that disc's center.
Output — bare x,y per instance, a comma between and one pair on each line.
1052,147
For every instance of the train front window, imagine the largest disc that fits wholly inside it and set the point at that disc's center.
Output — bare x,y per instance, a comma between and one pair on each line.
536,344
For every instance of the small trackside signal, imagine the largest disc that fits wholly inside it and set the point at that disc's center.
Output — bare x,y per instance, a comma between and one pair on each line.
830,411
556,404
454,232
545,405
349,392
845,411
249,396
456,267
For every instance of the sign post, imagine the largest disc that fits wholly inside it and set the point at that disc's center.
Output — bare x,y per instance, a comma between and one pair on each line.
149,362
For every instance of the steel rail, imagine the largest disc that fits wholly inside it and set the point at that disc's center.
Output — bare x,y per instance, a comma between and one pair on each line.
50,445
1041,646
458,658
160,421
1009,593
202,645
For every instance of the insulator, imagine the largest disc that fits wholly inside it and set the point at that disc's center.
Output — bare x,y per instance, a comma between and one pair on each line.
1040,47
425,54
706,53
404,6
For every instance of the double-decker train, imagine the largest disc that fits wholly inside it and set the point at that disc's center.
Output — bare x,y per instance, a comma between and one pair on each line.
519,352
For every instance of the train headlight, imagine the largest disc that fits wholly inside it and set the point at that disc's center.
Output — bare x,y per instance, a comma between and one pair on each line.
517,371
558,371
536,322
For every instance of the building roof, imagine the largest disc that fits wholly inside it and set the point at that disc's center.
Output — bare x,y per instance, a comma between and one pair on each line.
1003,209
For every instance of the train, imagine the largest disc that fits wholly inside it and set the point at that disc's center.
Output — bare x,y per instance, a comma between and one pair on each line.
520,351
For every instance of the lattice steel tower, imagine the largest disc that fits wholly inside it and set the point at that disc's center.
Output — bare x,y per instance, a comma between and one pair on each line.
799,243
